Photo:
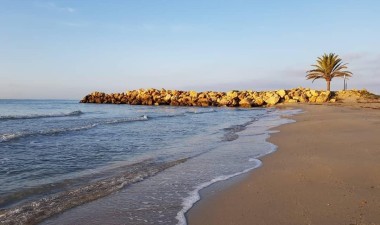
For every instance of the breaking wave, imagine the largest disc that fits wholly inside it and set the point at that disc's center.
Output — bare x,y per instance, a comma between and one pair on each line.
36,211
38,116
202,112
231,132
194,195
12,136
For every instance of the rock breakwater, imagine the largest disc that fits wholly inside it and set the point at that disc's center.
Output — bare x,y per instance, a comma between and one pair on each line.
233,98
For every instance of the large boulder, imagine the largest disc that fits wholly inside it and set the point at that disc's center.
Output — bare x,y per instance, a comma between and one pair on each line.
303,98
232,94
281,93
174,103
234,103
242,95
314,93
168,98
203,102
193,94
224,101
258,101
324,96
313,99
273,100
246,102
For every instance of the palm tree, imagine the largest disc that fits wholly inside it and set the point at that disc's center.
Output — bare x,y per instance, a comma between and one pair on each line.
328,67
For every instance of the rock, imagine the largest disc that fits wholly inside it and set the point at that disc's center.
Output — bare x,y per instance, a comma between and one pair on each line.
168,97
232,98
223,101
202,95
193,94
232,94
242,95
281,93
272,100
313,99
296,93
234,103
323,97
174,103
186,101
314,93
203,102
246,102
269,94
255,94
258,101
303,98
136,102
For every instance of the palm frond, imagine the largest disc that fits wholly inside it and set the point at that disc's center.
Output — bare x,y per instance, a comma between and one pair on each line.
328,66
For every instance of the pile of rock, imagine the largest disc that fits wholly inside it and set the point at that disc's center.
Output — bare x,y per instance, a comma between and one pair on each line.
356,96
211,98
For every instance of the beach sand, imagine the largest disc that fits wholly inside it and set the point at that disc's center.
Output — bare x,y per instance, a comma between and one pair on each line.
326,171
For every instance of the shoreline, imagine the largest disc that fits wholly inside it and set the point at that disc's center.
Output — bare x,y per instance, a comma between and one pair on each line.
231,164
309,185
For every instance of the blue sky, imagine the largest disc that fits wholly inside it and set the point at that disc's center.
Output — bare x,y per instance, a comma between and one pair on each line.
66,49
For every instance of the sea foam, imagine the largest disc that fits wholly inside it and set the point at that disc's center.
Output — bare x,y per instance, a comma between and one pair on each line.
11,136
194,196
38,116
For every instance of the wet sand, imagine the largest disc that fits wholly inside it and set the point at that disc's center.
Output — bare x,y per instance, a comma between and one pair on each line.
326,171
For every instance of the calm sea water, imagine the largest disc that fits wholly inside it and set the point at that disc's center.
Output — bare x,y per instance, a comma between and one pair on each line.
49,148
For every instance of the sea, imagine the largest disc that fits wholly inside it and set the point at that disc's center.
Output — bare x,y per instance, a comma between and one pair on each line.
63,162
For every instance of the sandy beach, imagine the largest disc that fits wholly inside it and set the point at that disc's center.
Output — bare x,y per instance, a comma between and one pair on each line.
326,171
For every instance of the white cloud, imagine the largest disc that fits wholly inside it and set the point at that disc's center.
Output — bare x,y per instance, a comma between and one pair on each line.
74,24
53,6
173,28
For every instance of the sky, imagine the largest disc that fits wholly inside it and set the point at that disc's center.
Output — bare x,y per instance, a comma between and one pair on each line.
67,49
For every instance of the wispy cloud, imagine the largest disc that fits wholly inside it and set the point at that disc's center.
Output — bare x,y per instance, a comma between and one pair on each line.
366,61
173,28
74,24
355,56
54,6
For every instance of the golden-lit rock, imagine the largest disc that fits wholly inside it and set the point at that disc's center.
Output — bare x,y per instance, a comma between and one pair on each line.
193,94
246,102
314,93
232,98
273,99
281,93
232,94
324,96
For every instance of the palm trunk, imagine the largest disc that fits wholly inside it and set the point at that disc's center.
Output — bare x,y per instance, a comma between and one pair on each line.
328,85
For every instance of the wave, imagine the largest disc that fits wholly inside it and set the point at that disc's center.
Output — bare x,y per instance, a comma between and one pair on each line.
38,116
124,120
194,196
12,136
201,112
184,113
36,211
231,132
